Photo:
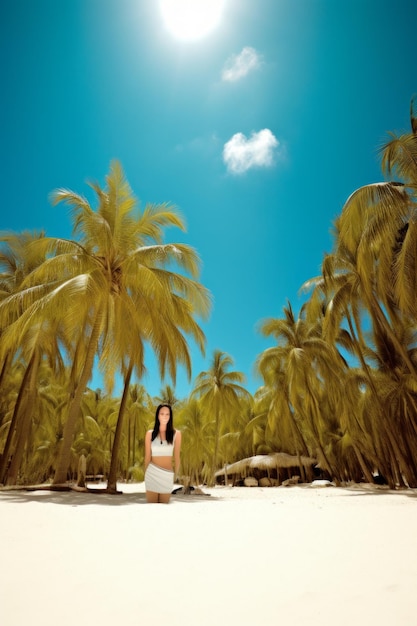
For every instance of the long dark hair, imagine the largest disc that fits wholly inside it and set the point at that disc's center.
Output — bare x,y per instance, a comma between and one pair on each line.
170,426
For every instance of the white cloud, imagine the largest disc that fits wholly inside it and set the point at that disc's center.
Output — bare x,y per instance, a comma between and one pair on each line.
240,153
238,65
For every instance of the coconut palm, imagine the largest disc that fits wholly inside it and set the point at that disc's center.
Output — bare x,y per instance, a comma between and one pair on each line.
167,396
274,405
195,449
368,236
312,369
376,240
399,159
139,414
251,431
220,391
95,431
11,382
30,343
115,289
338,294
45,430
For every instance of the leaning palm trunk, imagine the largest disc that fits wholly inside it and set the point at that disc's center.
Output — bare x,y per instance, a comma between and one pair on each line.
307,472
402,463
14,425
5,367
396,451
23,427
366,471
381,321
317,438
74,408
112,478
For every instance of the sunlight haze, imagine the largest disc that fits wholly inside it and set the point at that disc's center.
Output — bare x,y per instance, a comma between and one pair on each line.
191,19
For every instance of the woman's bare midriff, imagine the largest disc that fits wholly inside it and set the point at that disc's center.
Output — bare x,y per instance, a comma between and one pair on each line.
163,461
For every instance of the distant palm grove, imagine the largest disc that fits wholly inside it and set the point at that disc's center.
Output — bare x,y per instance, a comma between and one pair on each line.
339,377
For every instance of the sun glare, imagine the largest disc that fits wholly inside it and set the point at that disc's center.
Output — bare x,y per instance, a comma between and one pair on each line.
191,19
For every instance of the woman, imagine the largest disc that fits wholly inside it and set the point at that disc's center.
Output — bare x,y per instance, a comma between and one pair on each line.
162,456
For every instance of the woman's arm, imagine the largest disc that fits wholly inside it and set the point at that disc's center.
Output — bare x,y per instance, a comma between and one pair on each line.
148,453
177,451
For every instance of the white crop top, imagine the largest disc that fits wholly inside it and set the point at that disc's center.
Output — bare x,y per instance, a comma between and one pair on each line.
162,448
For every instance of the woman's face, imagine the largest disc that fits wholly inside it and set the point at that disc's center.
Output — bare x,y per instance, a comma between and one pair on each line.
164,415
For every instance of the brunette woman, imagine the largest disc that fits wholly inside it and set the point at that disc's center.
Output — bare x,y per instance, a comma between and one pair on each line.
162,456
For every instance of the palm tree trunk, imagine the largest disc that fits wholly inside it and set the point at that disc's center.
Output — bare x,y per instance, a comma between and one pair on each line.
368,476
5,367
112,478
75,405
314,421
14,424
402,463
23,427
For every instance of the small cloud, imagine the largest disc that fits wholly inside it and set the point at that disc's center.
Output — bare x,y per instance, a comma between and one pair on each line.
240,153
238,65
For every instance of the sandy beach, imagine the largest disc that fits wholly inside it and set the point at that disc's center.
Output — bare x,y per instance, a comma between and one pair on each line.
293,556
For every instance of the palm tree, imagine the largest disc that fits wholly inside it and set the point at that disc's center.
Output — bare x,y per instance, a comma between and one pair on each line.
220,391
195,452
29,343
167,396
45,427
115,290
238,441
139,414
368,238
258,435
95,430
311,370
11,382
373,269
399,159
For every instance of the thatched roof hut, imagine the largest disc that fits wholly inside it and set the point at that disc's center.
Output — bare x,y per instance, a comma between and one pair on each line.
265,462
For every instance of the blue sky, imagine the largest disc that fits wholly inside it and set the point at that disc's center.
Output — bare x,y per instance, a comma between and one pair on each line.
258,132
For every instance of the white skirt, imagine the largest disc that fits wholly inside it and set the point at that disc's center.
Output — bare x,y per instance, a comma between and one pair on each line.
158,479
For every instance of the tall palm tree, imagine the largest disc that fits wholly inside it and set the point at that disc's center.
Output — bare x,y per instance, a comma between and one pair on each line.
399,160
195,449
311,369
45,426
339,294
139,414
95,430
368,232
115,289
112,478
29,343
376,235
220,391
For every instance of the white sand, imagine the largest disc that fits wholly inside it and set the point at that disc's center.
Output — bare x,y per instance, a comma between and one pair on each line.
292,556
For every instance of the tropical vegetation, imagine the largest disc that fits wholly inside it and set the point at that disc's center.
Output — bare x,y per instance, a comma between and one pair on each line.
339,378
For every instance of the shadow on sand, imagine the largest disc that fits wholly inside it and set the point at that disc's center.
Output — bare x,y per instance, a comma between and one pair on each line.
93,497
365,489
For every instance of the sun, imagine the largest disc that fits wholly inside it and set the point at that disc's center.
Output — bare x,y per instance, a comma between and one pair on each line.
191,19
